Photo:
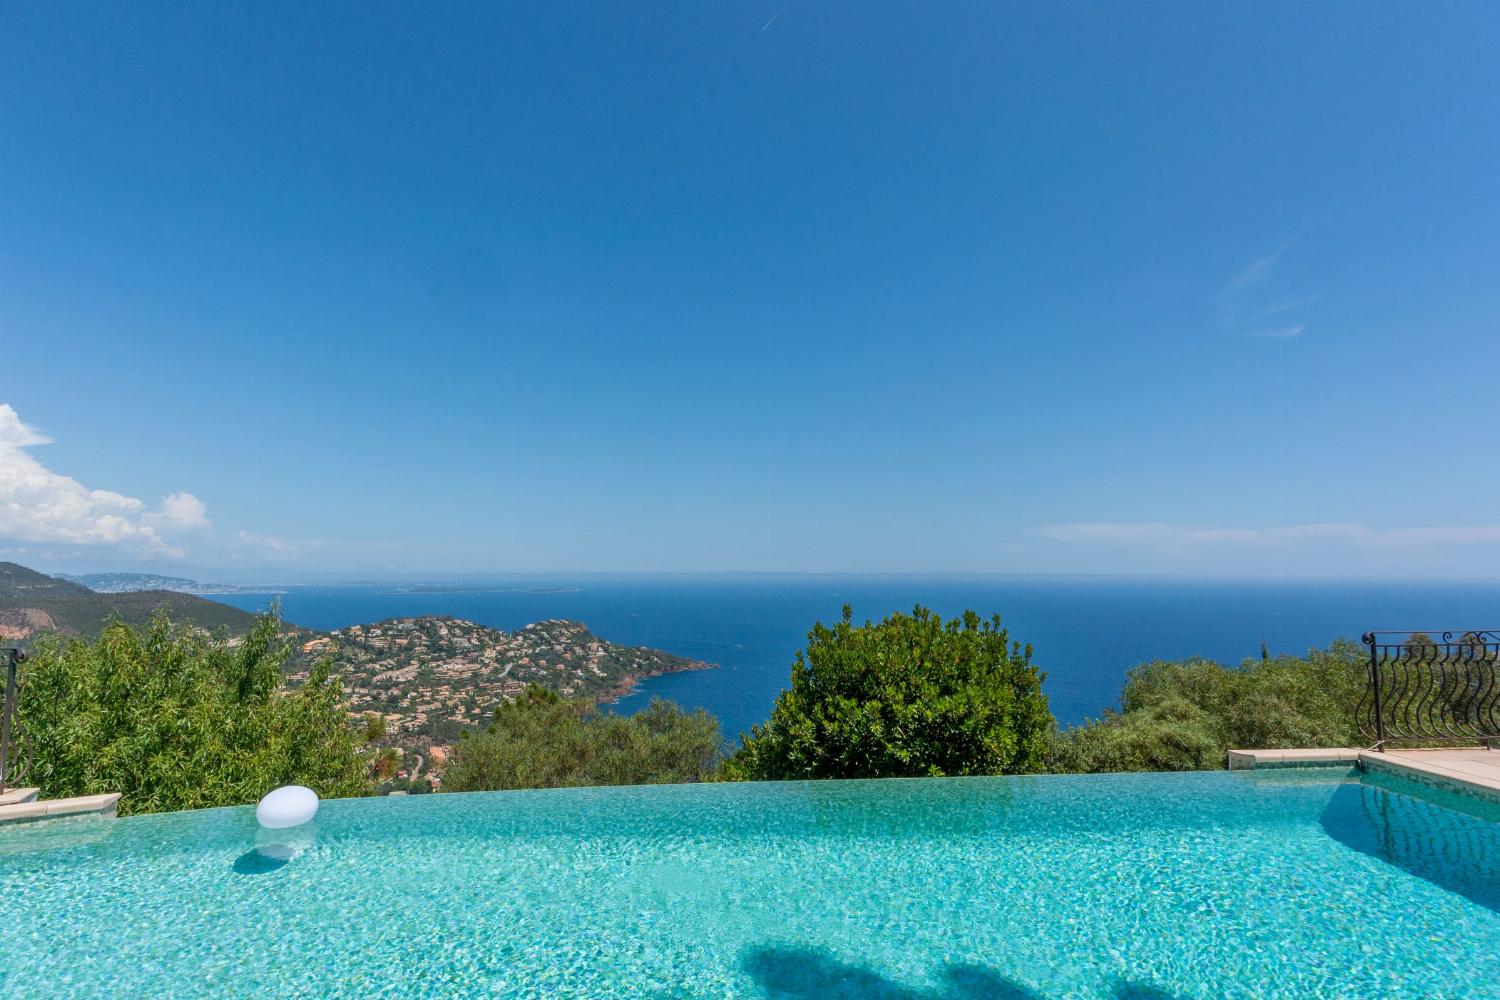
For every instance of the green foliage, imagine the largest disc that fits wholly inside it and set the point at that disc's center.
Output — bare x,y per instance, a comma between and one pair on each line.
911,695
384,763
542,741
1186,716
372,727
177,720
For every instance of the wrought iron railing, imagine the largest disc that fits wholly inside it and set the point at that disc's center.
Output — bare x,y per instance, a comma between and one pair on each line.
10,766
1432,688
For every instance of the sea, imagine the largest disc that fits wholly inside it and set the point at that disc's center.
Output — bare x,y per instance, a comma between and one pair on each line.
1086,633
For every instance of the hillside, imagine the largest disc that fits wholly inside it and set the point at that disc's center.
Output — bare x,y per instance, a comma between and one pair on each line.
432,677
32,602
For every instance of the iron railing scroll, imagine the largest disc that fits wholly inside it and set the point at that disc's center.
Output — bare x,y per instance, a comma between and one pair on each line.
1428,688
10,768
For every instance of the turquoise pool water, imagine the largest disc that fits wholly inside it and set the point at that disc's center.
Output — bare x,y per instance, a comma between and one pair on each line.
1292,883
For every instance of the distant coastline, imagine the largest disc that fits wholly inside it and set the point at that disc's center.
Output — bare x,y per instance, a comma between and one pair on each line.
438,588
130,583
627,687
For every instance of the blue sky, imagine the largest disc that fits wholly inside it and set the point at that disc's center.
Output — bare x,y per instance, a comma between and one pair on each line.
338,289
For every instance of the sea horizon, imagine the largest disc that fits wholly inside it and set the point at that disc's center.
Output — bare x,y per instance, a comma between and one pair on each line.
478,578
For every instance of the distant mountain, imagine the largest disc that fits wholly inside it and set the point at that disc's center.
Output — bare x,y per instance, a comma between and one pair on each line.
127,583
32,602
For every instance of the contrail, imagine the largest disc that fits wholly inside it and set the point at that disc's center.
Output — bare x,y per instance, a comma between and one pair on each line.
774,16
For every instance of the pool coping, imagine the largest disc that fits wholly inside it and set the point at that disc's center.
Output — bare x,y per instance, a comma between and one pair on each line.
1447,769
82,805
1249,760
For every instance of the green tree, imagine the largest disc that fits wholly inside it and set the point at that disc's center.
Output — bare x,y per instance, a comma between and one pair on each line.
175,719
1187,715
384,763
910,695
1476,646
542,741
373,727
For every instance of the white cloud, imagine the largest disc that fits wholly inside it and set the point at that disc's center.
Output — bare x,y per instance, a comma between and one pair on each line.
267,546
1183,538
1257,272
1280,332
1471,535
15,434
39,506
184,510
1248,298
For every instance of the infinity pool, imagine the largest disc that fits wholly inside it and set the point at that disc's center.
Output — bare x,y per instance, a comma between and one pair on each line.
1284,883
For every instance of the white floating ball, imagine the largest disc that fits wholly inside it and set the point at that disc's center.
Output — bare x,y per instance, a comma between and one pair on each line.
289,805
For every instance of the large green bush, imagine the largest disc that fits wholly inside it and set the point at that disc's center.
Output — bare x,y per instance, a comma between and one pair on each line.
542,741
1187,715
910,695
174,719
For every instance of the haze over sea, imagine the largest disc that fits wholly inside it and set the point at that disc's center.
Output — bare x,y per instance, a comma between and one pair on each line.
1086,632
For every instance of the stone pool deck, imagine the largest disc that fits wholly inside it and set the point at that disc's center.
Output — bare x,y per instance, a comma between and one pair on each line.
1472,769
21,804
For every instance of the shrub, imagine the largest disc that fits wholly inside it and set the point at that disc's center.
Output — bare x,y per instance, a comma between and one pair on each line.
1187,715
174,719
910,695
542,741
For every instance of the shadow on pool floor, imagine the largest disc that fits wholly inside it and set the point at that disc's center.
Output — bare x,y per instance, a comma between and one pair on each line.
808,974
1445,846
253,862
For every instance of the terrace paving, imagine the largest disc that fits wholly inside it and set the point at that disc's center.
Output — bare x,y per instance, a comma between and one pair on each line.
14,796
1475,769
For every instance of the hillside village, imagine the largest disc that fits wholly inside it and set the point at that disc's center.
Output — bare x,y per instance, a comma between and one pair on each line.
431,678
